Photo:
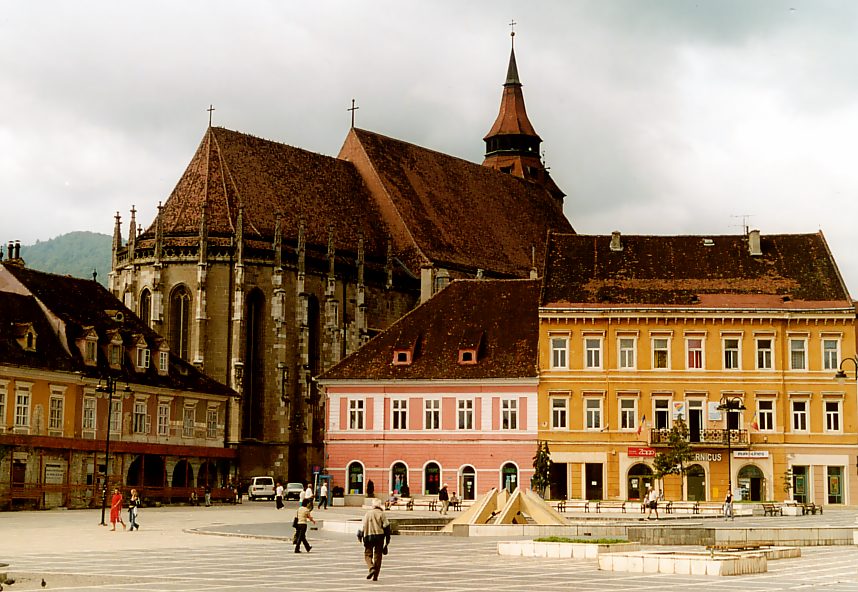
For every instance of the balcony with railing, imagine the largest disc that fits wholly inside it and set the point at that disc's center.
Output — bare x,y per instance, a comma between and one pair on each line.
710,438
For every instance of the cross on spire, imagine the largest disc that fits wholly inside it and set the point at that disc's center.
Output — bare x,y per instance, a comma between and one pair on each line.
353,109
210,109
512,25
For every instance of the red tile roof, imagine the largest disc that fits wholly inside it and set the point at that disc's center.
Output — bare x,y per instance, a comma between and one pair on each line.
503,313
794,271
438,209
457,213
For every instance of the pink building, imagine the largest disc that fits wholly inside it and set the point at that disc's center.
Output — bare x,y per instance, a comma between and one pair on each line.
445,395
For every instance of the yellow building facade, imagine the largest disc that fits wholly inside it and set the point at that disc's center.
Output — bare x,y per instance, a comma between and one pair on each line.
638,334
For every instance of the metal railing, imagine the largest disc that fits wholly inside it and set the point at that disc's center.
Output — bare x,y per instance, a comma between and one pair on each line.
707,437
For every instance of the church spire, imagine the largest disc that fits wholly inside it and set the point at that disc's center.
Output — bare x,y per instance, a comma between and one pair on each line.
512,145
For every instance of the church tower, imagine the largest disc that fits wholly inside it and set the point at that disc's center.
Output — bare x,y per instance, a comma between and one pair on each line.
512,145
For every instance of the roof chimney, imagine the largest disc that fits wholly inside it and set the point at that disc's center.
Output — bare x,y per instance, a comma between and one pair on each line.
754,243
616,245
17,249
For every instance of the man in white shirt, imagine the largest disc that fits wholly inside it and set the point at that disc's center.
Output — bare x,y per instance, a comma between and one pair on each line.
308,493
278,495
323,496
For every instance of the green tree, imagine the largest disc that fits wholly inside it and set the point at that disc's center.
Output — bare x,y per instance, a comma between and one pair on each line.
541,468
675,459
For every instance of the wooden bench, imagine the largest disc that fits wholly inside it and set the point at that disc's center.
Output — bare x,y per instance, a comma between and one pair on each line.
716,508
563,505
430,503
681,506
810,508
737,547
772,509
401,502
611,505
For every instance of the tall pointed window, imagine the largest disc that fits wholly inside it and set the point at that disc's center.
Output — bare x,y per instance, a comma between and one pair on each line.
180,321
146,307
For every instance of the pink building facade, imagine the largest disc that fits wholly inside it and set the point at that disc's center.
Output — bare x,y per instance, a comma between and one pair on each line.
471,436
448,394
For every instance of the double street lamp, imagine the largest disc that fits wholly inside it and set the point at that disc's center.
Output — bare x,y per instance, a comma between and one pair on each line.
108,387
730,405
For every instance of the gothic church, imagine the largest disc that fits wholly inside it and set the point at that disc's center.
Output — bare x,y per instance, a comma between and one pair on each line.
267,264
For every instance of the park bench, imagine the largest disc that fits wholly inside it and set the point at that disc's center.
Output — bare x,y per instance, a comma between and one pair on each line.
710,508
577,505
400,502
611,505
810,508
772,509
685,507
737,547
430,503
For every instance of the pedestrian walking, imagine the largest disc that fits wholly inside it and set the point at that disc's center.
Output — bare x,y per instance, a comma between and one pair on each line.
652,503
208,494
133,510
323,496
375,536
728,506
116,510
300,523
278,495
308,493
444,498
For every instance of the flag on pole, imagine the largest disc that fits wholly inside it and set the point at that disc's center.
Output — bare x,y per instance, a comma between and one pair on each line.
640,426
755,424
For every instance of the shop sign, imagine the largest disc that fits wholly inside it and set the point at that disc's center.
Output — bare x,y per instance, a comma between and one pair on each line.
641,451
751,454
707,456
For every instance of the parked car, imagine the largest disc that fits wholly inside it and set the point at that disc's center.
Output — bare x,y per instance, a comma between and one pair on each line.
261,487
293,491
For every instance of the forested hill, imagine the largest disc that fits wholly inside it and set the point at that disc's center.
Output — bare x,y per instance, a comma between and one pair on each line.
76,254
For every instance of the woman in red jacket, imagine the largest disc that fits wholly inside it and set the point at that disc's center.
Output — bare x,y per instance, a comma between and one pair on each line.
116,510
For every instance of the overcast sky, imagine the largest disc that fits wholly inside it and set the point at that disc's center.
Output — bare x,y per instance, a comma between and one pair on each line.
657,117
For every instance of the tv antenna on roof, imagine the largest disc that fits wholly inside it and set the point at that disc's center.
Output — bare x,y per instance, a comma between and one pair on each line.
744,227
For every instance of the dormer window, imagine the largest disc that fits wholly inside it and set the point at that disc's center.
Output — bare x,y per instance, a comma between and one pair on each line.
401,357
143,356
87,344
467,357
90,351
163,361
114,352
26,336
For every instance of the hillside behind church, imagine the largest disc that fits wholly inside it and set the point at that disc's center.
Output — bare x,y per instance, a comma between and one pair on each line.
75,253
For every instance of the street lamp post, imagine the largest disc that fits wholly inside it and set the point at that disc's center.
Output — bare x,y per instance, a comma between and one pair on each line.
840,376
730,404
108,387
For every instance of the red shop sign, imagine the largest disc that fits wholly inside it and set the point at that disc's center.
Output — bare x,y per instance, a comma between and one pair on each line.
639,451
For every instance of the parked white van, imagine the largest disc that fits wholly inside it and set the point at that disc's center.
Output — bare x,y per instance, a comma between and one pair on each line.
261,487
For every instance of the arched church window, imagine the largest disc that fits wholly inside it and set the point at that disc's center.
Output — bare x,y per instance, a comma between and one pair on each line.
180,321
145,310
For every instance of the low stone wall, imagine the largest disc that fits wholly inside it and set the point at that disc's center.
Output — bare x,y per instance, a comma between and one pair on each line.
684,564
703,536
600,531
562,550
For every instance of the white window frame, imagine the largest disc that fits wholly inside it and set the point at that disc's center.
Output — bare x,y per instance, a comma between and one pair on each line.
23,400
628,415
803,351
768,353
163,419
833,419
770,423
56,414
827,362
163,361
144,357
799,420
559,413
701,351
593,414
465,414
140,417
399,414
509,414
211,422
357,414
593,358
729,353
189,419
90,351
116,417
668,410
431,414
559,351
655,350
627,353
90,406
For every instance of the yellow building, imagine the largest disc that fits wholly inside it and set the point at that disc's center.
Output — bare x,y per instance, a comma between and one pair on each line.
637,331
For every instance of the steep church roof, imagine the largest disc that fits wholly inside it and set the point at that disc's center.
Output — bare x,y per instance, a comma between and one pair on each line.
497,319
232,170
438,209
783,271
454,212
